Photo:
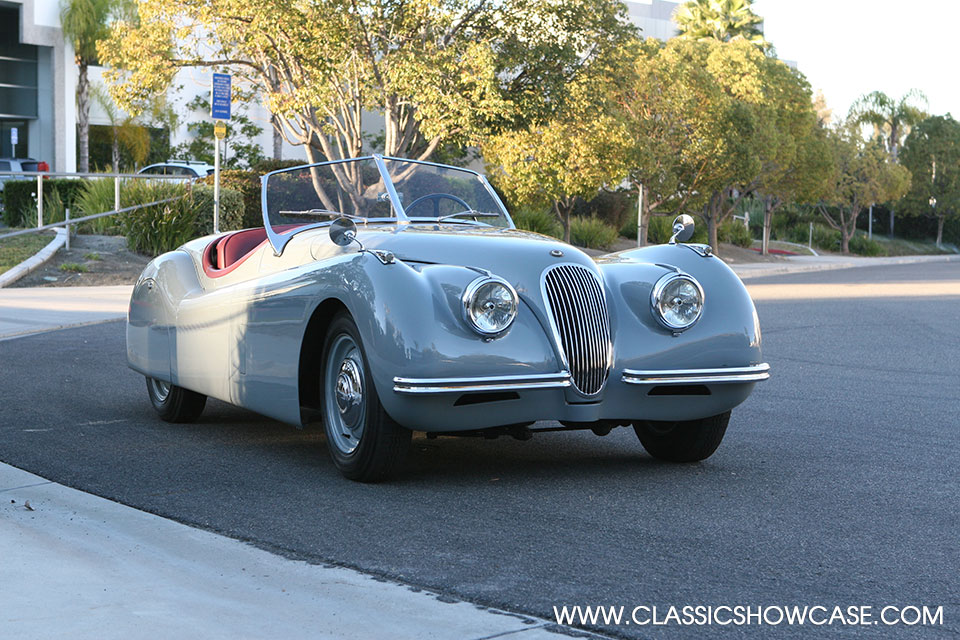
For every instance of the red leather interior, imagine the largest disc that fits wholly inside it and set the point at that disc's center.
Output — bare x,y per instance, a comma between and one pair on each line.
228,252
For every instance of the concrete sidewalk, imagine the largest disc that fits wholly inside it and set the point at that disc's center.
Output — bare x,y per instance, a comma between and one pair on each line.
800,264
32,310
78,566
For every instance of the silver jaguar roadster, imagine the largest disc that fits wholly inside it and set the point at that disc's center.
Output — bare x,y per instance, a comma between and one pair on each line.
385,295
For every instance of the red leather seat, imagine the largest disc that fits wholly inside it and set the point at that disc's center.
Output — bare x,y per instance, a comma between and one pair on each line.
234,247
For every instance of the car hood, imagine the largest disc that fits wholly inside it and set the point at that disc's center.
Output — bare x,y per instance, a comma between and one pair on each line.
509,253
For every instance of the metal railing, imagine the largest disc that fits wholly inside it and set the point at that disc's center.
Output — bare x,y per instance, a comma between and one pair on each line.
40,175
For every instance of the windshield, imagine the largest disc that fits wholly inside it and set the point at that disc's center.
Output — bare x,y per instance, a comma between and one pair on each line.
433,191
303,197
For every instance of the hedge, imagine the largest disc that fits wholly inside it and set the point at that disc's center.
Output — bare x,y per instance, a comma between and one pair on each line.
19,197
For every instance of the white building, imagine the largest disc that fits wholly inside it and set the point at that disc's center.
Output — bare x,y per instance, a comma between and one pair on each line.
654,17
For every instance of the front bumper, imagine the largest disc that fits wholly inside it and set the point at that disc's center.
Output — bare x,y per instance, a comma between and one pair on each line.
454,404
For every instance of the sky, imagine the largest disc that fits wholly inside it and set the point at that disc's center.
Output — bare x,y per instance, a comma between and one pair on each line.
850,47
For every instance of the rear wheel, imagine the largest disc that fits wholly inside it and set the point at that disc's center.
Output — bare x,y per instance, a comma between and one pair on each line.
682,441
173,403
364,442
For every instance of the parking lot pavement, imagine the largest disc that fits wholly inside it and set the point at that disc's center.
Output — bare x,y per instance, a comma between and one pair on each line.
32,310
79,566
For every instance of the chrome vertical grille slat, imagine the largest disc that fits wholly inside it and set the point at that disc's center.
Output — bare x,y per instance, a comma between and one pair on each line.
578,311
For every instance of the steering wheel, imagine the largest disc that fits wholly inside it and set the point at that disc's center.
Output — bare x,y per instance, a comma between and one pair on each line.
437,197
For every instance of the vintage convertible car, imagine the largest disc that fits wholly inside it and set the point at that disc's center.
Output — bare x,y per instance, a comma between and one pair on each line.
385,295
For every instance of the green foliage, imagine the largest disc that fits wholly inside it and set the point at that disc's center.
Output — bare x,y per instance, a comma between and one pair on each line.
537,220
721,20
239,149
97,197
20,200
159,228
592,232
93,255
863,246
890,117
824,238
247,184
932,154
734,232
439,72
73,267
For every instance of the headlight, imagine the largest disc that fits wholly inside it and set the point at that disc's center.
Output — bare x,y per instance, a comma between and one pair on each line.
677,301
489,305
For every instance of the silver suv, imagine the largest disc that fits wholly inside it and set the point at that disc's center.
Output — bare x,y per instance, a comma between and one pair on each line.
182,168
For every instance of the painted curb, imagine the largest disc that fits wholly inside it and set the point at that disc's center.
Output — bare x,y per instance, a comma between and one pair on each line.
12,275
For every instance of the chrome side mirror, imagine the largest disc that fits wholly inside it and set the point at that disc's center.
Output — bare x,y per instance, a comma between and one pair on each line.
682,229
343,231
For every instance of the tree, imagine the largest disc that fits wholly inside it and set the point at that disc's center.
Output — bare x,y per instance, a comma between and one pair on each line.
239,151
572,155
721,20
84,24
932,154
674,113
125,131
439,71
891,119
863,173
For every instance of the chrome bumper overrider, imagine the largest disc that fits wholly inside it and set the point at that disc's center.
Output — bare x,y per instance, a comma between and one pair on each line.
487,383
726,375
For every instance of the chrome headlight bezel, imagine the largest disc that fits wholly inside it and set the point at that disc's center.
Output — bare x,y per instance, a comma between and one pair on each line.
657,295
470,295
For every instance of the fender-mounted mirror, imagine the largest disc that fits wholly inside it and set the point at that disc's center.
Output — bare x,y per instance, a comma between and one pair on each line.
343,231
682,228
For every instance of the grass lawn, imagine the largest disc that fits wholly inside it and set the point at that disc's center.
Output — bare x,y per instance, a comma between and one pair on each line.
902,247
13,251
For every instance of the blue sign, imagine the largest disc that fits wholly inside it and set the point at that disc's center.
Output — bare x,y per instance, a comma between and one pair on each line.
220,97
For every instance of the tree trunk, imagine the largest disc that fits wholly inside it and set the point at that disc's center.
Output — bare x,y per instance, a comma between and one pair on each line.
711,214
83,118
564,216
643,204
891,222
940,220
767,223
277,139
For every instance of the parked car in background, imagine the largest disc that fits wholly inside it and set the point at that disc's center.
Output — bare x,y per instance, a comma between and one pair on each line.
183,168
385,295
10,167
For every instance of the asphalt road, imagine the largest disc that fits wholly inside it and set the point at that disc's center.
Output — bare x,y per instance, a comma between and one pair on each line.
837,482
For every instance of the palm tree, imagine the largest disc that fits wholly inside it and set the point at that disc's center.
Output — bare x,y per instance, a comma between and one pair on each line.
891,119
720,20
84,23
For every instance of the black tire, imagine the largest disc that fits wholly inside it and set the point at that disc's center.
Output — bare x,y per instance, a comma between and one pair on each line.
173,403
364,442
682,441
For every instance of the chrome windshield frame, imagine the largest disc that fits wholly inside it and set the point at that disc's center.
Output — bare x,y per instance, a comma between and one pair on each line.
278,241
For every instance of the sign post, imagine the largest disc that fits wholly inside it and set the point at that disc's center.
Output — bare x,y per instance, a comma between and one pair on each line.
14,139
219,110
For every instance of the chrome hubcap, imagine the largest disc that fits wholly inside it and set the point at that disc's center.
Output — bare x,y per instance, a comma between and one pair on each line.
160,389
344,403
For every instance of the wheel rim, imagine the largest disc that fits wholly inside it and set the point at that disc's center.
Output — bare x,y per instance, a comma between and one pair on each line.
160,389
344,395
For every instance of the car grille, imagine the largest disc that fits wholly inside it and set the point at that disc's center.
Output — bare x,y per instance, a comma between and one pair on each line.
579,312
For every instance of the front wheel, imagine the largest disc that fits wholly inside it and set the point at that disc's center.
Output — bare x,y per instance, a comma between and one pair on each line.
364,442
173,403
682,441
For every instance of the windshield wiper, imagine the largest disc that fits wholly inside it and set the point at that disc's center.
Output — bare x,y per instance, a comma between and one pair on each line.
470,212
321,212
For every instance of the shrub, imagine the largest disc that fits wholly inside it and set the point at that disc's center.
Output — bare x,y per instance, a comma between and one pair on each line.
247,183
20,197
824,237
159,228
97,197
592,232
538,220
734,232
861,245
